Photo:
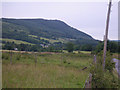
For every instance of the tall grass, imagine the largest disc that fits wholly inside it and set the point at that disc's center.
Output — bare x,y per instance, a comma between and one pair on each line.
50,71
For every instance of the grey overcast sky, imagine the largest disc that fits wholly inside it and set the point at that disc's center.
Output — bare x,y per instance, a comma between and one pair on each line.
89,17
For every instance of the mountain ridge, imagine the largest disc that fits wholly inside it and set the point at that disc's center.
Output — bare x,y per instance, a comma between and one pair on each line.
46,20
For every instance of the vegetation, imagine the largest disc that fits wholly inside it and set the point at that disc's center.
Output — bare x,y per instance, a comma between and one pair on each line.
21,47
15,41
70,47
50,71
63,69
86,52
55,40
44,35
31,30
28,47
106,78
112,46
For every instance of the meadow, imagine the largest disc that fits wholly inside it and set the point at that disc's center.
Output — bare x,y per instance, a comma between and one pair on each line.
15,41
53,41
35,70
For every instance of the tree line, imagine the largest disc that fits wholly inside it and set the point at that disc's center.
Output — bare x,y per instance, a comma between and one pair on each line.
112,46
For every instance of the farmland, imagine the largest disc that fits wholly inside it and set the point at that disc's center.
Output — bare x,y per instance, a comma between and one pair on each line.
53,41
15,41
60,70
59,45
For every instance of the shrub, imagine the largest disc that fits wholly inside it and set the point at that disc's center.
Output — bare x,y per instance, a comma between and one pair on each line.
103,79
18,57
109,64
5,56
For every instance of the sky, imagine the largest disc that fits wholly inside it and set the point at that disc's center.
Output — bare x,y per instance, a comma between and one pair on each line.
88,17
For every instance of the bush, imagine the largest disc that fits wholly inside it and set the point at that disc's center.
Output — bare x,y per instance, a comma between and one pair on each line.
70,47
18,57
103,79
109,64
5,56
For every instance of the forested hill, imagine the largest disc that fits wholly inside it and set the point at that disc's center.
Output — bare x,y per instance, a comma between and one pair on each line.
39,31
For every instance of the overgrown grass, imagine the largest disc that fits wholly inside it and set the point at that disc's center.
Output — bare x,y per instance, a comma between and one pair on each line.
51,70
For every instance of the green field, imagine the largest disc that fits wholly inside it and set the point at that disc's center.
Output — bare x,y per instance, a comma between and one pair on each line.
84,52
15,41
50,71
53,41
33,36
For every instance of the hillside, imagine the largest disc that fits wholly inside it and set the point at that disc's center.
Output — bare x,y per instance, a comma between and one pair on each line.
39,31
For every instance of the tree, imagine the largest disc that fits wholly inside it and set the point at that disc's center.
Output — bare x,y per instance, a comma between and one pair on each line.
50,49
86,47
112,46
70,47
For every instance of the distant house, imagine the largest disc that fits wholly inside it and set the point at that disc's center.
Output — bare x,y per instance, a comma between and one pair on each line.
42,45
15,49
46,45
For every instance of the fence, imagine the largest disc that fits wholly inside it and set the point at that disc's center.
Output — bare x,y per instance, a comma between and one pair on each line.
88,82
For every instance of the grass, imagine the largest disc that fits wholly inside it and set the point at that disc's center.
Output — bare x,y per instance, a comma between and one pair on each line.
86,52
116,55
50,40
33,36
15,41
115,73
43,76
51,70
62,40
53,41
